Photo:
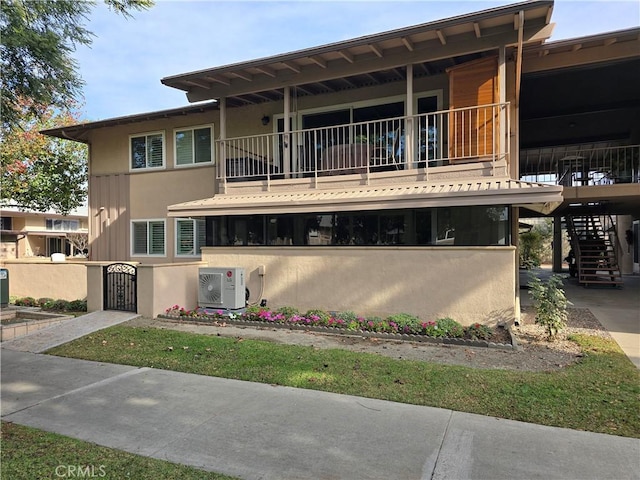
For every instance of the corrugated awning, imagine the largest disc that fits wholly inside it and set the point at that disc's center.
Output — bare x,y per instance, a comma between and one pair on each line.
535,196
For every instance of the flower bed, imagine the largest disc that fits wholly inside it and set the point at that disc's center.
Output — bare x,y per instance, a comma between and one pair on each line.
401,326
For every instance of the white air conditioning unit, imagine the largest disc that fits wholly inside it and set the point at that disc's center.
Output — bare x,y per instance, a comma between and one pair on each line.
221,288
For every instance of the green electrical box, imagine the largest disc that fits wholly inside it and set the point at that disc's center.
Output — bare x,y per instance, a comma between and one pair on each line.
4,287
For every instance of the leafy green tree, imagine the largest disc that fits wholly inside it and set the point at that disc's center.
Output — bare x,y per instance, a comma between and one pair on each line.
38,40
42,173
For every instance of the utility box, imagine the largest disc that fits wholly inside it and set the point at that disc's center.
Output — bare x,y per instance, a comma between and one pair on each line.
4,287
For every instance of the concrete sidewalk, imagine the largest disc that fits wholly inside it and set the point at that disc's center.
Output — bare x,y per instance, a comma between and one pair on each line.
258,431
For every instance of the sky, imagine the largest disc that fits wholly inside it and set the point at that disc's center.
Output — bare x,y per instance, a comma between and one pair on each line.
128,57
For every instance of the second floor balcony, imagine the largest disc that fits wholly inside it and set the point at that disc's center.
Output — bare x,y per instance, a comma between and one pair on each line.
459,142
582,165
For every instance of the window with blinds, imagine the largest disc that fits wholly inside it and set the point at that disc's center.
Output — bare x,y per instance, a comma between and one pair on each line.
190,236
194,145
148,237
147,151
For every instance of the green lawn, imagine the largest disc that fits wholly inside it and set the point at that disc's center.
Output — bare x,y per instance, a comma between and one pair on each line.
601,393
30,454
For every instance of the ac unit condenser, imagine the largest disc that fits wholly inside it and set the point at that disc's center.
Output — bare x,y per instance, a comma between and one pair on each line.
221,287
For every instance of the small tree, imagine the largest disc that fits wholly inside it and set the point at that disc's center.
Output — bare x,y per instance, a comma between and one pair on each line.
80,241
550,303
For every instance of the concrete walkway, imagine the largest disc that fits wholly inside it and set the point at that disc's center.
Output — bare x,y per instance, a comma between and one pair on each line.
258,431
66,331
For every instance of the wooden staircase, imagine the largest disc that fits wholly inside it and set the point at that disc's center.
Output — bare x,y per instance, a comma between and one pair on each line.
594,250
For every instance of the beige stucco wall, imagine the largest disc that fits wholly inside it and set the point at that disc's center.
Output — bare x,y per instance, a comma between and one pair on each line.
39,278
162,286
467,284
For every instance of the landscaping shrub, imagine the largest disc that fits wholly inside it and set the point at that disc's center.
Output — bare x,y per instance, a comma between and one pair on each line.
288,312
59,306
78,306
404,323
477,331
346,317
450,327
26,302
550,303
42,302
318,316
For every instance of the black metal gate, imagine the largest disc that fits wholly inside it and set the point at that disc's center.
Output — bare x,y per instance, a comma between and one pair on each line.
120,287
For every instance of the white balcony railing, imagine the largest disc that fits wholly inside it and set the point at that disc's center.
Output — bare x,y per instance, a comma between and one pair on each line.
401,143
582,166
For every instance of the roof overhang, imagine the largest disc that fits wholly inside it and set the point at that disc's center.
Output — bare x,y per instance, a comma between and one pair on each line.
605,47
504,191
78,132
369,58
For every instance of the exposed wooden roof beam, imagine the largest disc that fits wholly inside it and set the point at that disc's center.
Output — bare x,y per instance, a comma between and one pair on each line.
262,97
576,47
292,67
406,41
304,90
266,71
373,79
243,76
375,49
609,41
327,86
348,82
398,72
198,84
441,36
319,61
216,79
476,28
346,55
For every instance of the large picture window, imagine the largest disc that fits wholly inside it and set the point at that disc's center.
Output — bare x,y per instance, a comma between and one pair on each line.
193,145
62,225
147,151
190,236
148,237
443,226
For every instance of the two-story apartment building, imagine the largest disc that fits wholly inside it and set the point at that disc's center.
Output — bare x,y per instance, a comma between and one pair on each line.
25,234
379,174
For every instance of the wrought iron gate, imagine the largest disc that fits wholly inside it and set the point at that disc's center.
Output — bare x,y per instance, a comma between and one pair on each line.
120,287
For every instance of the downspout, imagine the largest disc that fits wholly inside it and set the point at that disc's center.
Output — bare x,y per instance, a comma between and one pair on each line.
222,157
515,162
287,133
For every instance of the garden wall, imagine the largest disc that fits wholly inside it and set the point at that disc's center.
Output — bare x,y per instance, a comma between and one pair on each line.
159,286
40,277
468,284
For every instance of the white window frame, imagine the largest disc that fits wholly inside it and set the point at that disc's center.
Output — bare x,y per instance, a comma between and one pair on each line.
148,221
194,222
70,223
193,163
164,151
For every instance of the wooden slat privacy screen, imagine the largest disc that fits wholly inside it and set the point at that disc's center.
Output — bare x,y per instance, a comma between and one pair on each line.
473,132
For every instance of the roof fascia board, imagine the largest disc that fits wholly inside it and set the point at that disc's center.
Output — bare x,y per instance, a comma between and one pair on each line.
78,132
432,50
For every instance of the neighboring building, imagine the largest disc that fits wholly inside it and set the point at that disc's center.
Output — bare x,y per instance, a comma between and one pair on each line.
26,234
380,174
